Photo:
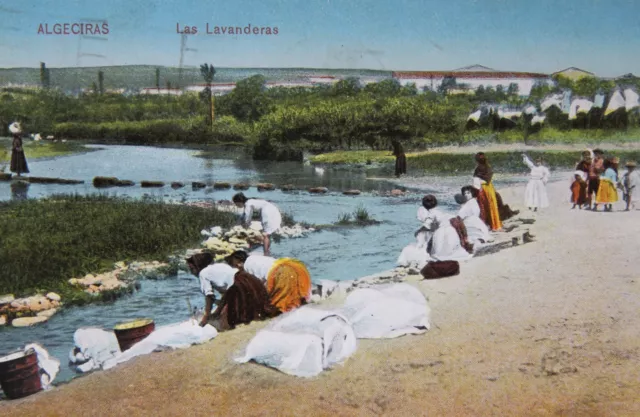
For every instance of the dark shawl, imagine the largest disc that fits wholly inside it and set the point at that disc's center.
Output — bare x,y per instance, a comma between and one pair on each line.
246,300
484,172
461,229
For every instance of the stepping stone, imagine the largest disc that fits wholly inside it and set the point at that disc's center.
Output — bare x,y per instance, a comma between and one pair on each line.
5,176
151,184
266,187
221,185
196,185
241,186
45,180
351,192
318,190
176,185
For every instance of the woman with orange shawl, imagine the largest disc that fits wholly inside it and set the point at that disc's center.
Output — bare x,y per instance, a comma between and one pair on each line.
482,176
288,280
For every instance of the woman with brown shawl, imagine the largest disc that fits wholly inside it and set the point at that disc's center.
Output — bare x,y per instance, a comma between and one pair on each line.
483,175
401,158
18,160
243,301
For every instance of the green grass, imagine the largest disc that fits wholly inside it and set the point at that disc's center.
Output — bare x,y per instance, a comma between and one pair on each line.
35,150
46,242
359,217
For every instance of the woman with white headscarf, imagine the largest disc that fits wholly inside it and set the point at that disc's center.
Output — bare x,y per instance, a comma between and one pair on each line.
18,160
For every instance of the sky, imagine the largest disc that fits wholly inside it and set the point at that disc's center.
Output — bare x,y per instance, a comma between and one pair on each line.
600,36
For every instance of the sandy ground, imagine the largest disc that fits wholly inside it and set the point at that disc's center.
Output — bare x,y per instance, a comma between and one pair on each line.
546,328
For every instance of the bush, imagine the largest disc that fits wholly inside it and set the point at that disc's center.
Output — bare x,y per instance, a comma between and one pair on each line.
45,242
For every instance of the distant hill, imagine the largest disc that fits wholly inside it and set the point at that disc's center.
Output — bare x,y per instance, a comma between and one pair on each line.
138,76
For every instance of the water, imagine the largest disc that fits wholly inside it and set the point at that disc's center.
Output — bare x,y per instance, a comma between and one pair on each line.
341,254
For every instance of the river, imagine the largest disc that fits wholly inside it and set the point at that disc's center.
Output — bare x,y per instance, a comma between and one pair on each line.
336,255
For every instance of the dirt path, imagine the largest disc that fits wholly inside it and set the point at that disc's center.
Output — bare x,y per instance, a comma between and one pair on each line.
546,328
520,147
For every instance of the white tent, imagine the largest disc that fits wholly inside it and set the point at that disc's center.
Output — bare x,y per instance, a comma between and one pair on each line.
616,102
631,99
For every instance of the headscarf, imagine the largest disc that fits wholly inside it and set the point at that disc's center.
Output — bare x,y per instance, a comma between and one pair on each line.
483,169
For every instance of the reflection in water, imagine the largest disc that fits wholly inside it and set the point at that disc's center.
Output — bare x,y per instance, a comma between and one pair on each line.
19,190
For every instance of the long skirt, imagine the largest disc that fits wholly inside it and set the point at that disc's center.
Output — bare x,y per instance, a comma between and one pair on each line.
535,195
477,230
488,203
607,192
401,165
579,192
19,163
447,246
288,284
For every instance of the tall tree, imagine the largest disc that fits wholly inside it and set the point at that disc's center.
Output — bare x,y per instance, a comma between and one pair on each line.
208,72
158,79
101,82
44,75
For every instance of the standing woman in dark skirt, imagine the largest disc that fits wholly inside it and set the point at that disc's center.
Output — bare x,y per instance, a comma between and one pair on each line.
401,158
18,161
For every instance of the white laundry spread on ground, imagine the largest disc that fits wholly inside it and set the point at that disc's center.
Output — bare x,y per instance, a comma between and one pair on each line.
97,348
387,311
49,367
303,342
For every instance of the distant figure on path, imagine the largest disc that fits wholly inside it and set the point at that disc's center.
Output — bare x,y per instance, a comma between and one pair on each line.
607,191
535,195
18,160
269,214
487,200
595,169
579,189
401,158
631,185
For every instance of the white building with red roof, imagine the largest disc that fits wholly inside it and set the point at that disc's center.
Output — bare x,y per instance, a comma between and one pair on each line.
473,77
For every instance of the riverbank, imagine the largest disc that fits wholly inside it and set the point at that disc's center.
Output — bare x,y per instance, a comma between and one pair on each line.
547,328
40,149
571,151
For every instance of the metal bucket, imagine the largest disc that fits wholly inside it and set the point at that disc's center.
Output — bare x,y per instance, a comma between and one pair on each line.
130,333
20,374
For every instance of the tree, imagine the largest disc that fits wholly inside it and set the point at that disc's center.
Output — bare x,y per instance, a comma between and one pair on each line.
347,87
512,89
586,87
384,88
44,75
249,101
208,72
158,79
101,82
447,84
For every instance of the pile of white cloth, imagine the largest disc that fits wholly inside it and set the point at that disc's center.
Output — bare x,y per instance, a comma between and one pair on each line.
49,367
308,340
97,348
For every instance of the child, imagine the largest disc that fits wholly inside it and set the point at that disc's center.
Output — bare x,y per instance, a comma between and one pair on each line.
630,183
607,191
579,189
269,215
535,195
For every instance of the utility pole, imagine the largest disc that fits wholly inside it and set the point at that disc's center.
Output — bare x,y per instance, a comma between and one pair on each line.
183,51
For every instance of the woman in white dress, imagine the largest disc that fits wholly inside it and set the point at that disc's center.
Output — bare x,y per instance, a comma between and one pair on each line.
446,243
270,216
535,195
477,230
